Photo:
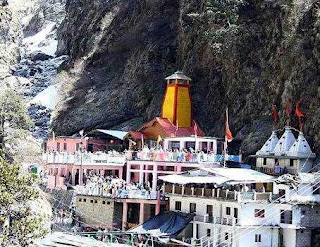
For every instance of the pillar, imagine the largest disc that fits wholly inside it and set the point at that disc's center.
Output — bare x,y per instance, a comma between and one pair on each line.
59,171
157,207
73,175
178,167
154,177
141,215
124,215
141,174
128,178
121,172
80,176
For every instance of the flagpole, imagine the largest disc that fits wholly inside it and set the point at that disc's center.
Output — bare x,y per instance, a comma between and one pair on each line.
225,141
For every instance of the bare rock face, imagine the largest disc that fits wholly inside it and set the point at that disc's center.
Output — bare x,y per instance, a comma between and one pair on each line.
122,50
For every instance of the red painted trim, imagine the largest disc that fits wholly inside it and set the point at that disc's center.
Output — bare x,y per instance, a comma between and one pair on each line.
164,98
175,105
191,115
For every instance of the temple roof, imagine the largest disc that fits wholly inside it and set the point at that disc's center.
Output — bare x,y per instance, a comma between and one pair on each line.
301,148
178,75
270,144
285,142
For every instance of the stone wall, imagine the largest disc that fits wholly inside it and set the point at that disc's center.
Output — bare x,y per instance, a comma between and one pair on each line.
95,210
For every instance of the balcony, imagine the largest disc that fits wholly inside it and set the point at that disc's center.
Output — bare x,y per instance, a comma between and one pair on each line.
216,220
222,194
85,158
277,171
182,157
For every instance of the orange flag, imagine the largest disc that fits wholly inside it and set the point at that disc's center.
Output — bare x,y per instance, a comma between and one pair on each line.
298,111
228,132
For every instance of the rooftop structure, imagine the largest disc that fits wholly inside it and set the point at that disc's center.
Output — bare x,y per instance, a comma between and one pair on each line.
285,142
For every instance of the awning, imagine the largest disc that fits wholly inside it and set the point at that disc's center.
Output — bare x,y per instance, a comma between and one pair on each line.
115,133
164,225
60,239
193,177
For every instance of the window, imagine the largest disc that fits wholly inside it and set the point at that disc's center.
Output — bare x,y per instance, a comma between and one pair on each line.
65,146
95,201
228,211
291,162
58,146
193,207
84,200
108,203
316,190
208,232
303,212
286,216
77,146
257,238
80,200
209,210
259,213
103,202
264,161
226,236
178,206
235,213
91,201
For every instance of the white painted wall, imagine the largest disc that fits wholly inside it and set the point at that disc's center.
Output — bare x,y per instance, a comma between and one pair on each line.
289,237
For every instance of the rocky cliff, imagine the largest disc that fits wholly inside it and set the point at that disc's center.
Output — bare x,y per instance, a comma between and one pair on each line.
246,56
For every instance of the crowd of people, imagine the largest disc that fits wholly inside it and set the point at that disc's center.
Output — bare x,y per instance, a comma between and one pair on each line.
184,155
113,187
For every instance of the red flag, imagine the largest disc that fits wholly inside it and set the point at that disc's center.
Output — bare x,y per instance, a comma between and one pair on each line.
195,128
288,109
298,111
228,132
299,115
275,114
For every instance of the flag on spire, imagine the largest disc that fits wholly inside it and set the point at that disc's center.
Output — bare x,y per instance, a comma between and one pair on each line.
228,134
195,129
299,115
275,114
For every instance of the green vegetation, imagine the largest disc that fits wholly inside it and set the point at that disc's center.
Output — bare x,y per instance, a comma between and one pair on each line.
19,224
13,115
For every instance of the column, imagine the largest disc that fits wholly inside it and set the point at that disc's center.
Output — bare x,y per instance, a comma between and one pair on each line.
124,215
73,175
80,176
141,215
101,172
194,234
157,207
178,168
154,177
141,174
121,172
128,178
59,171
182,144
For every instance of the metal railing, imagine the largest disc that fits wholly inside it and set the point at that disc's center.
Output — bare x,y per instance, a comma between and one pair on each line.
216,220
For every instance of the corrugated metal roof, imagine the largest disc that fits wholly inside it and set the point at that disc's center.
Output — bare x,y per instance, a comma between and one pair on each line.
178,75
116,133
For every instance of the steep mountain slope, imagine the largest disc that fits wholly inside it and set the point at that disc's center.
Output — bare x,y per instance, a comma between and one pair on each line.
266,53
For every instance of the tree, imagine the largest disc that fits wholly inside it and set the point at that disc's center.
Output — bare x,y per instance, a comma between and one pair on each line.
20,224
13,115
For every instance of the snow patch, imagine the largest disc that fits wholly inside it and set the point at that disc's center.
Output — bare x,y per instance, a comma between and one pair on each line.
43,41
47,97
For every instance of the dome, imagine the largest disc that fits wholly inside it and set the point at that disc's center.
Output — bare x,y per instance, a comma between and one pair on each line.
285,142
268,147
301,148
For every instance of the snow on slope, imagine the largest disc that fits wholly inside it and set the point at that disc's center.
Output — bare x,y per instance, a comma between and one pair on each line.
47,97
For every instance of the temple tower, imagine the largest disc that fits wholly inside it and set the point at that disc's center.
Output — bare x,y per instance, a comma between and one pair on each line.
177,100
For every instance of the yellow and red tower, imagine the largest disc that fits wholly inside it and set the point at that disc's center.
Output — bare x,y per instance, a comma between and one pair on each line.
177,105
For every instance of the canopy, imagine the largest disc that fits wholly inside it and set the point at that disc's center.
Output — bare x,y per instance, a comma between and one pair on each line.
60,239
115,133
218,176
165,224
193,177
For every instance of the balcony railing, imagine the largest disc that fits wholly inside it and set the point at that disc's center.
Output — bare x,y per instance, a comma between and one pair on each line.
118,193
216,220
84,158
277,170
171,190
183,157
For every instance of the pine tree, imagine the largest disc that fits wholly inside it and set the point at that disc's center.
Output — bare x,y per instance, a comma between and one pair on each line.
19,225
